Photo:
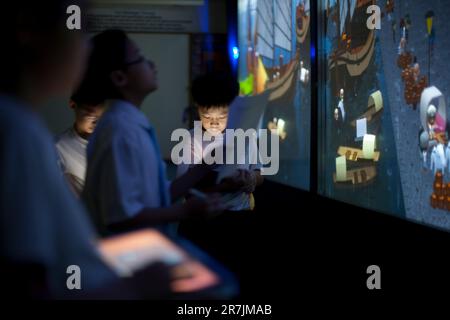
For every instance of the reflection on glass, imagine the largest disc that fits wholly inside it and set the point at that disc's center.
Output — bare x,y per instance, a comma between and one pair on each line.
274,41
383,112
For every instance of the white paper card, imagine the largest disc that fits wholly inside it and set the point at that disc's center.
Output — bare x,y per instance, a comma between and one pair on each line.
361,128
341,168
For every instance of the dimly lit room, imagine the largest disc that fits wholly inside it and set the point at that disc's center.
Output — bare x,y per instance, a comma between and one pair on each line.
221,155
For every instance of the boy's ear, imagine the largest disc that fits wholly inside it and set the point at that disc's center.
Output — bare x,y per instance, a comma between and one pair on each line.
72,104
118,78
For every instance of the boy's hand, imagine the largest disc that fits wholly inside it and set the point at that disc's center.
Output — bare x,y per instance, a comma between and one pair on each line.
244,181
231,184
248,180
202,169
210,206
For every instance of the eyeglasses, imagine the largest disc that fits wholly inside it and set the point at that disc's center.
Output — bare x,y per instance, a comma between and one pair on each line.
139,60
91,118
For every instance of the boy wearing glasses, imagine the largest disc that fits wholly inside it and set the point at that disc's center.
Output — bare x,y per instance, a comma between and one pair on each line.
126,185
72,143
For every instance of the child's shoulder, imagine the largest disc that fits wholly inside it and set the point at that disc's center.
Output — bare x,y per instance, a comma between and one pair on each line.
20,124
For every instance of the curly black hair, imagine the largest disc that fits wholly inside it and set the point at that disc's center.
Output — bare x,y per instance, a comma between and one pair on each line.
108,54
214,89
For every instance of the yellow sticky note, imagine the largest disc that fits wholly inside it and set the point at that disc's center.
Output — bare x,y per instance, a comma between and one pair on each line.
369,146
280,126
341,168
376,99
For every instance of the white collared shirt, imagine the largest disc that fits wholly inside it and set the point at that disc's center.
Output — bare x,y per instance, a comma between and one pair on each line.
125,171
72,153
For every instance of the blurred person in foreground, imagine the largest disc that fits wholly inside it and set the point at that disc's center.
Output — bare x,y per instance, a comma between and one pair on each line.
43,227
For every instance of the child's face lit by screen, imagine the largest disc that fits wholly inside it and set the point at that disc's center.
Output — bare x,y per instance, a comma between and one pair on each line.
87,118
214,119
